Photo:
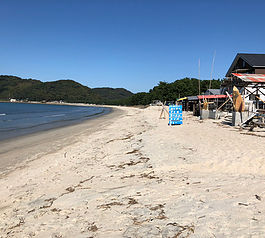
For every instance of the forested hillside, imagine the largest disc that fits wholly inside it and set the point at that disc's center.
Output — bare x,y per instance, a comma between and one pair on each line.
112,95
65,90
171,91
71,91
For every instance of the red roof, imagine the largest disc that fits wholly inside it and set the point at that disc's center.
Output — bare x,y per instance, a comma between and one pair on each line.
211,96
252,78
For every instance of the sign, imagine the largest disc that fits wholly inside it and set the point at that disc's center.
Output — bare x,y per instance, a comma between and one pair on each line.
175,115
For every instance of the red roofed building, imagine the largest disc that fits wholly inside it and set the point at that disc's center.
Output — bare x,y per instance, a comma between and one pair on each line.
247,73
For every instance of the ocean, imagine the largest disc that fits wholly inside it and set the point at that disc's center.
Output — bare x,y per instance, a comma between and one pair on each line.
17,119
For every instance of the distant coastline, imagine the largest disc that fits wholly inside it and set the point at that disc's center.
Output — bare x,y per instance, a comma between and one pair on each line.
34,121
56,103
66,90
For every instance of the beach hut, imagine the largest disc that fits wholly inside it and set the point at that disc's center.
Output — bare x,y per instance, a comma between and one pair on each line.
247,64
213,92
247,73
246,76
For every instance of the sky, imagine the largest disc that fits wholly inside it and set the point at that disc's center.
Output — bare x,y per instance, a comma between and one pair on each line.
130,44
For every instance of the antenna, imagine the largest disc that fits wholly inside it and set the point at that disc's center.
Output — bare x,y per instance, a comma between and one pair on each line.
212,69
199,77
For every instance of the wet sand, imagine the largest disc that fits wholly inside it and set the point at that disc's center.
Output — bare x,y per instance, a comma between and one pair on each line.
18,151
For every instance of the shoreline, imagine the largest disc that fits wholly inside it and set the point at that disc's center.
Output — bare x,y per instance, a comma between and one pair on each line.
58,103
17,151
55,124
135,176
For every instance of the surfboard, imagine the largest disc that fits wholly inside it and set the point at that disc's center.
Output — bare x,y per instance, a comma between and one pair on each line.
238,101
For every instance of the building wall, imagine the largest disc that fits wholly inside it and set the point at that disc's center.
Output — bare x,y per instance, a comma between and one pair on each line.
260,71
243,67
253,99
247,99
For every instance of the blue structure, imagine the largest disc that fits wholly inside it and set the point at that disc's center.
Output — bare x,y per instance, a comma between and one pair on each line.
175,115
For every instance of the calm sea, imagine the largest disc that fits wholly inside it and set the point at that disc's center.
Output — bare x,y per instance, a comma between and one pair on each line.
18,119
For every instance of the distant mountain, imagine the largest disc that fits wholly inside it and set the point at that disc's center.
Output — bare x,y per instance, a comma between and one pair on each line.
112,94
65,90
71,91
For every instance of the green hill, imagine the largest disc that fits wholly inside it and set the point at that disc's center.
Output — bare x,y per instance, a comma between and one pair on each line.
171,91
71,91
65,90
112,94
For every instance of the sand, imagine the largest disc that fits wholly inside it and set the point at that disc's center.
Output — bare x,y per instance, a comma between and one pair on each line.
136,176
16,152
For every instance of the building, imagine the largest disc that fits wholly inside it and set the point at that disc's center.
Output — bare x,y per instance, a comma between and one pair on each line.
247,64
213,92
247,73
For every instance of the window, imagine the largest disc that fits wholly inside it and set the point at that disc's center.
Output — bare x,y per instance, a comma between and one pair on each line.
252,97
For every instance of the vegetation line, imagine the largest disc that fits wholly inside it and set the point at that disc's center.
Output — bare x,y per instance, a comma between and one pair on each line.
73,92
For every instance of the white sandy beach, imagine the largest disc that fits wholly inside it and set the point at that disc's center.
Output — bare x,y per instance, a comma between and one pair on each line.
138,177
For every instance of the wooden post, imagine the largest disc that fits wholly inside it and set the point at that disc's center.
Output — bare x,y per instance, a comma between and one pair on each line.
230,99
199,77
222,104
163,112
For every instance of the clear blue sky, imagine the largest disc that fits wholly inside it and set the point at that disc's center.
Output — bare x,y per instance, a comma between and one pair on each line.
126,43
